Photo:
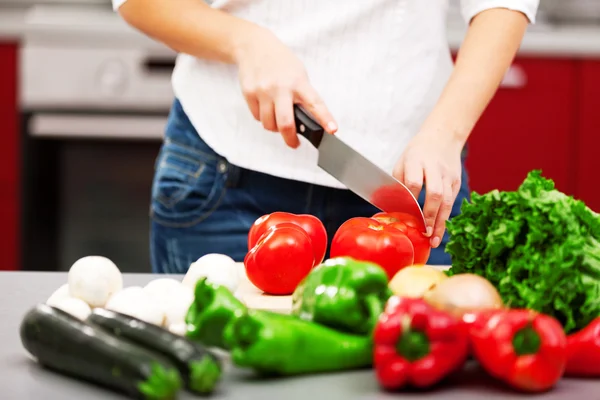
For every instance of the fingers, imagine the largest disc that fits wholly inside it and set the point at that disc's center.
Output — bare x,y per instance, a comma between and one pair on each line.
284,118
253,105
267,115
413,178
444,212
314,104
434,194
275,116
273,106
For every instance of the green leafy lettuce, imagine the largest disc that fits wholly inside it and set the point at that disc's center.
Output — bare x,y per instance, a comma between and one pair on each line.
538,246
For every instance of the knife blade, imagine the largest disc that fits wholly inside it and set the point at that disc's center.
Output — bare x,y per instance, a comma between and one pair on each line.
356,172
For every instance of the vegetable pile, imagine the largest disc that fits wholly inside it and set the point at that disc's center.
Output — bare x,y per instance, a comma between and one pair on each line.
130,339
283,247
538,246
526,273
345,316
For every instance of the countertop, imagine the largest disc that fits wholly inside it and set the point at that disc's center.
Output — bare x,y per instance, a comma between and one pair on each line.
77,23
22,379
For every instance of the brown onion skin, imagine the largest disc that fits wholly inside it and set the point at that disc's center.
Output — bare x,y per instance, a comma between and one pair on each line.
464,293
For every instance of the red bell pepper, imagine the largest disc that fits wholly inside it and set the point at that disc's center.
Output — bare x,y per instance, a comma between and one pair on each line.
311,225
366,239
525,349
408,225
583,351
416,344
281,258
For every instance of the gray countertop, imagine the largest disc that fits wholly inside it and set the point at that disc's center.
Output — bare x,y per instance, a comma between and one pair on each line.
77,23
22,379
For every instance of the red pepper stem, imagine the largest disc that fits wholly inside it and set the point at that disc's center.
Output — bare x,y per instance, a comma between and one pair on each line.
374,308
412,345
526,341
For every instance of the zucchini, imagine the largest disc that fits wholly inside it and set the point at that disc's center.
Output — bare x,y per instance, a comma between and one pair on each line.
200,369
63,343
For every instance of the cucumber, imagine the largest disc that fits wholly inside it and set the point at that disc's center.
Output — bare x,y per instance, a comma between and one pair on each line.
200,369
63,343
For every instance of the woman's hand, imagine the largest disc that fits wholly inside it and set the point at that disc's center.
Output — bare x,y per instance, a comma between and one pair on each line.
433,159
273,79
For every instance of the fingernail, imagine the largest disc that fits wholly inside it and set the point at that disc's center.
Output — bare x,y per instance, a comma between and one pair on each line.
435,242
331,127
429,231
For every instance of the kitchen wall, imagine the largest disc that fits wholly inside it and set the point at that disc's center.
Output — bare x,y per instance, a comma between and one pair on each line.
83,100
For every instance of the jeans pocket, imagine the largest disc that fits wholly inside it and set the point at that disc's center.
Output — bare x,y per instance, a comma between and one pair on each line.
187,186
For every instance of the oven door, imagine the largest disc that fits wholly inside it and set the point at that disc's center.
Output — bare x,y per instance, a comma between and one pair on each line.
86,187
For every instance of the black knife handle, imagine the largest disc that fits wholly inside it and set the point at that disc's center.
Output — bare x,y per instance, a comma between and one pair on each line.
307,126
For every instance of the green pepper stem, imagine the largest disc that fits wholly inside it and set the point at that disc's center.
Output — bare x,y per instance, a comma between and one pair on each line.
413,345
246,331
203,294
204,374
526,341
374,307
161,384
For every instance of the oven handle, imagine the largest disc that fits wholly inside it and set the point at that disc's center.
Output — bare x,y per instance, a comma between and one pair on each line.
81,126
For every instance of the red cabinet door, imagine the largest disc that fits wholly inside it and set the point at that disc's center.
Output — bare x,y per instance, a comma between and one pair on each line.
9,155
530,124
588,154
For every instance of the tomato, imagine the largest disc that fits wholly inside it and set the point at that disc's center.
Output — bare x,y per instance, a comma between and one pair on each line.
409,225
367,239
311,225
281,258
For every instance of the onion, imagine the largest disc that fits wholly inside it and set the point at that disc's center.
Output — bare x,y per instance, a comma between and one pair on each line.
464,293
415,281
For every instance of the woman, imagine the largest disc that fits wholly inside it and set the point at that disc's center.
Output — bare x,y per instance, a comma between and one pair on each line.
377,73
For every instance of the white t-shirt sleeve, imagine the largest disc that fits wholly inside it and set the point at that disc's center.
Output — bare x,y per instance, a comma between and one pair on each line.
117,4
471,8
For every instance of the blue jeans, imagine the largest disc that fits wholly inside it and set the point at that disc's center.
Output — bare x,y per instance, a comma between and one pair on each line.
203,204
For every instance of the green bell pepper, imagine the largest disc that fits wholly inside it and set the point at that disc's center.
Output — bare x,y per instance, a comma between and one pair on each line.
213,309
278,344
343,294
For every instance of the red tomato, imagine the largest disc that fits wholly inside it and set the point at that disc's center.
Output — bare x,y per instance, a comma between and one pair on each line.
311,225
281,258
366,239
409,226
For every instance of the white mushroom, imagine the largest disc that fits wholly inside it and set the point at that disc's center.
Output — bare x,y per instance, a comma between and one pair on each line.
76,307
217,268
179,328
136,302
94,279
60,293
175,298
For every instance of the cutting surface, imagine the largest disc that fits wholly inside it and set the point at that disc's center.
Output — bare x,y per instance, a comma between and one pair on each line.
22,379
254,298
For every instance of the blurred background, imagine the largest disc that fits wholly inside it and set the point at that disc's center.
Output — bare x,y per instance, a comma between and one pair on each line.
84,100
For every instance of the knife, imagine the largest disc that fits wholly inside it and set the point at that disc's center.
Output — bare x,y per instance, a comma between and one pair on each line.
356,172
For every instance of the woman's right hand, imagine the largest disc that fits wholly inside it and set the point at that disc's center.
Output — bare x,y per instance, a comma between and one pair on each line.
273,79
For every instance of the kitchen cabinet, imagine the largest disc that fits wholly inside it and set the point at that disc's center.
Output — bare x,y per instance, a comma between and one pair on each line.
530,124
588,141
9,153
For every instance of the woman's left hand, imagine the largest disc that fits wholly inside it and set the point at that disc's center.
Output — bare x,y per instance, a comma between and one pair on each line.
433,159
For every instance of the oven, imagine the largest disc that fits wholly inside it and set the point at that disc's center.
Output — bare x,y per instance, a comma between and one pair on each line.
95,97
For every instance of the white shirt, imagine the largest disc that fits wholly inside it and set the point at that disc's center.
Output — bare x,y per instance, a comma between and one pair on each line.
379,65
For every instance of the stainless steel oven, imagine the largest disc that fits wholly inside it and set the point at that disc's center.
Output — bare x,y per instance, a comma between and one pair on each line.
95,97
